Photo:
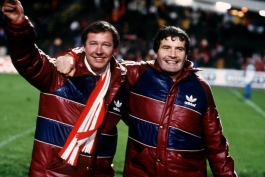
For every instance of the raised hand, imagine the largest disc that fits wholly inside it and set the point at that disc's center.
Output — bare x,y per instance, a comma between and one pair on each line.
13,10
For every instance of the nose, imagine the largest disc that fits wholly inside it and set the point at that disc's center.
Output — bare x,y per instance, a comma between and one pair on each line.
99,49
173,53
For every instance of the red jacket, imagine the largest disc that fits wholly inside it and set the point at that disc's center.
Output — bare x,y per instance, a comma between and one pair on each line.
173,126
61,102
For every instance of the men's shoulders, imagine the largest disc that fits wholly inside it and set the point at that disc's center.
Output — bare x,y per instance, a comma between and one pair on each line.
201,79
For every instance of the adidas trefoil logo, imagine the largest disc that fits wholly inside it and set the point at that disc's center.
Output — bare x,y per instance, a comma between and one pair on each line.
118,105
190,101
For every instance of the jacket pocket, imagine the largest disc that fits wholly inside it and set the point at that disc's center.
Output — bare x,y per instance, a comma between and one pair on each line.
104,167
188,161
145,161
58,168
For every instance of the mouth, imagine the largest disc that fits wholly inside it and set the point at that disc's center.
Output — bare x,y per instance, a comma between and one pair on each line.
171,62
99,59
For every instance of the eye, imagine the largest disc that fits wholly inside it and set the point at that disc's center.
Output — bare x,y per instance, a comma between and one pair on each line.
166,47
92,43
106,44
180,49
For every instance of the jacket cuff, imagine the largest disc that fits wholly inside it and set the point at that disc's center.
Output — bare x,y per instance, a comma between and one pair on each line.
20,26
18,23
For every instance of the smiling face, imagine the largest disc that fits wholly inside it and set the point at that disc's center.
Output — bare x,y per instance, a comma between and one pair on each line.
99,49
171,56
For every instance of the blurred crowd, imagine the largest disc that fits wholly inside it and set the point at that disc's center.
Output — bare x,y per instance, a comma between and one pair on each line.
218,40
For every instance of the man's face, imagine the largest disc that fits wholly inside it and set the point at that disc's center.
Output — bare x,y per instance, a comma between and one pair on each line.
171,56
99,49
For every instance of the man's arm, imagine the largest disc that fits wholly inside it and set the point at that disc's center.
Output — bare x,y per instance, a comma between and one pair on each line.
217,150
66,64
33,64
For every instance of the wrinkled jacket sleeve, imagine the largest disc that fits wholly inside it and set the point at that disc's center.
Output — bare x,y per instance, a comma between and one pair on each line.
217,150
31,63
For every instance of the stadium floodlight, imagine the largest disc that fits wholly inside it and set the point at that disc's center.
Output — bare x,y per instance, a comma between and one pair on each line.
222,6
262,13
184,2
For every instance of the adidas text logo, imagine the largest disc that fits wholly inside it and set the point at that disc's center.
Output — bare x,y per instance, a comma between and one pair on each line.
190,101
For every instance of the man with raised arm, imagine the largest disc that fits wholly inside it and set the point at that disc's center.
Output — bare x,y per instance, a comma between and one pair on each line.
76,134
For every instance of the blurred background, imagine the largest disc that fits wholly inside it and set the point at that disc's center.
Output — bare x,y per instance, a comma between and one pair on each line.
222,35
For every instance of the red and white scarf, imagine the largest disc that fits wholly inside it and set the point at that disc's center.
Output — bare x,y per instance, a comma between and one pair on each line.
82,136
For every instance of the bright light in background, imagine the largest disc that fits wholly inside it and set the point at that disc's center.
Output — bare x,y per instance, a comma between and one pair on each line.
237,13
240,14
184,2
262,13
234,12
222,6
244,9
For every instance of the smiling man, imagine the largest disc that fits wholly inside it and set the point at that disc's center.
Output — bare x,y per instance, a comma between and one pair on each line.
174,126
76,133
172,56
98,47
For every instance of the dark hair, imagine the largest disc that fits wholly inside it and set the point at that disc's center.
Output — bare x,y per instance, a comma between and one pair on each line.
99,27
171,31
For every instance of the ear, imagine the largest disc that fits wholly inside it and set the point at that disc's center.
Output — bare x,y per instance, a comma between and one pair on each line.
83,47
155,54
115,51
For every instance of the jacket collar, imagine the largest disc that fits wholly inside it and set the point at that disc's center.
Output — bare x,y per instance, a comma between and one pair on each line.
188,68
115,67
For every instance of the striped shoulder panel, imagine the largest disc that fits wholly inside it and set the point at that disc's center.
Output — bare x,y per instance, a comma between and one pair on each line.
153,84
77,89
192,95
